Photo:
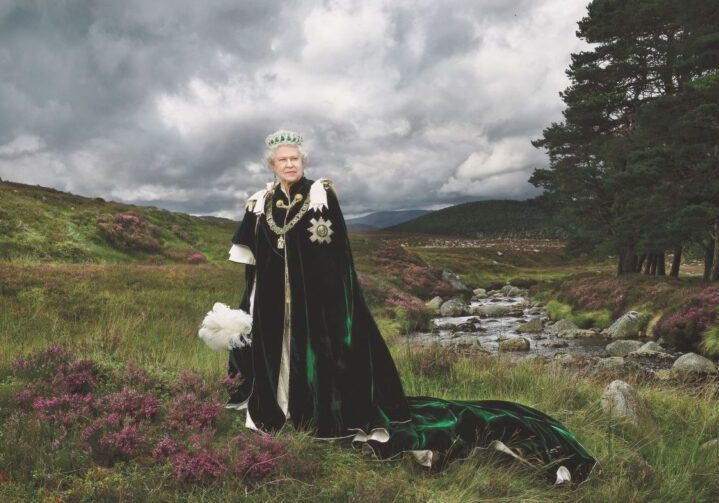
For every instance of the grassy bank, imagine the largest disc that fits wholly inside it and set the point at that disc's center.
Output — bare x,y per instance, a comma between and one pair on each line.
148,315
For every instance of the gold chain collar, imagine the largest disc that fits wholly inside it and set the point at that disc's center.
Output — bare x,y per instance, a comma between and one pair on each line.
280,231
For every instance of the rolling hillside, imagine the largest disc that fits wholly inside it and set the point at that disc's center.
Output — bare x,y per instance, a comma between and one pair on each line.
44,224
505,218
383,219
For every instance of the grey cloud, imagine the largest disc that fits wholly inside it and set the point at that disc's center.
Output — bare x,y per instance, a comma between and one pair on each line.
392,103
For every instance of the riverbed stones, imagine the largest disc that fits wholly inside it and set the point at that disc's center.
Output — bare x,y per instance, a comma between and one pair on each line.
514,344
630,324
692,364
453,307
556,343
532,326
453,279
579,333
480,293
620,399
562,325
652,346
622,347
434,305
495,310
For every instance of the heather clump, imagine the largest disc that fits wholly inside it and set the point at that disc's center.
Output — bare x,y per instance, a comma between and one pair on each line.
410,273
258,456
685,326
129,232
410,311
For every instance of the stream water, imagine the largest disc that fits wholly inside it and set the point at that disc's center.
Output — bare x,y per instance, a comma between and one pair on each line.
485,330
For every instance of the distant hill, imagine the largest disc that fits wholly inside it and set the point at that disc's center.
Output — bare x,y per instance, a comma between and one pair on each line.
43,224
501,218
383,219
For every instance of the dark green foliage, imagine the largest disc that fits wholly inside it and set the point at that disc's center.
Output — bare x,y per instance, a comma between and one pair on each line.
486,219
631,164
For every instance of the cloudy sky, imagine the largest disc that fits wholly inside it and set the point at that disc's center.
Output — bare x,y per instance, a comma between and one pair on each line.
403,104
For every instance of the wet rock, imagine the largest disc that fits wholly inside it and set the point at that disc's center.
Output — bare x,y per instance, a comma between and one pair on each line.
556,343
579,333
630,324
622,347
532,326
651,358
434,305
494,310
514,344
464,343
453,307
652,346
692,364
562,325
453,279
480,293
620,399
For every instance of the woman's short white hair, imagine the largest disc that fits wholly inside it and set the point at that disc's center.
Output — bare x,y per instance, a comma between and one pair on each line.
270,152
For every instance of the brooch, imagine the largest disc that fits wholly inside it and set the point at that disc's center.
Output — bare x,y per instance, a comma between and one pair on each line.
320,230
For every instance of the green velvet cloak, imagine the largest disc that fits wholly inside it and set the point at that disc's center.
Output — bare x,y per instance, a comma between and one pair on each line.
342,379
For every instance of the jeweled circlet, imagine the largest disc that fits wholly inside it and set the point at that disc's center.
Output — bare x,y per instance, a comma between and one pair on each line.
280,231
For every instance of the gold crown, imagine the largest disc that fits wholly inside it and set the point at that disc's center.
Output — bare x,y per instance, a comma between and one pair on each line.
283,137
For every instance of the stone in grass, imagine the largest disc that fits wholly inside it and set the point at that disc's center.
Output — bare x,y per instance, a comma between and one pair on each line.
453,307
534,359
514,344
453,279
711,444
622,346
630,324
618,364
620,399
532,326
434,305
692,364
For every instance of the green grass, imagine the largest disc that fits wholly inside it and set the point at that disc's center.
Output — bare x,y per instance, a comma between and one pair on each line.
150,314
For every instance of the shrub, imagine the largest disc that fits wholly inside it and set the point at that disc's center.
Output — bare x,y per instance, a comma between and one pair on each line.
683,327
129,232
258,456
557,310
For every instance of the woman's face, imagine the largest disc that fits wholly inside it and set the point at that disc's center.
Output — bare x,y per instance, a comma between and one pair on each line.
287,164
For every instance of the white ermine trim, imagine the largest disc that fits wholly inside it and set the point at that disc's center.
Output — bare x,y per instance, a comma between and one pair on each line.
241,254
258,198
318,195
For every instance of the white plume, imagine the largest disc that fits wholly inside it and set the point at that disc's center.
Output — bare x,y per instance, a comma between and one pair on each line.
226,328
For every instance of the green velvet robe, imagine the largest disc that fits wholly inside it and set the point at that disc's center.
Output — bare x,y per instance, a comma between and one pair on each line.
342,379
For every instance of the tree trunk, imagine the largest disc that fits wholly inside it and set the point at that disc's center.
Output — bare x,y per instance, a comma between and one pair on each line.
620,263
708,257
661,264
630,261
647,264
642,258
676,261
714,274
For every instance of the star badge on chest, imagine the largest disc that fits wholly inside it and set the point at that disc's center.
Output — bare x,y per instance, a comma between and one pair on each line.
320,230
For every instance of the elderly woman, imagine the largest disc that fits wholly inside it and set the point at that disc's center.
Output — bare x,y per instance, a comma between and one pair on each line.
317,358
